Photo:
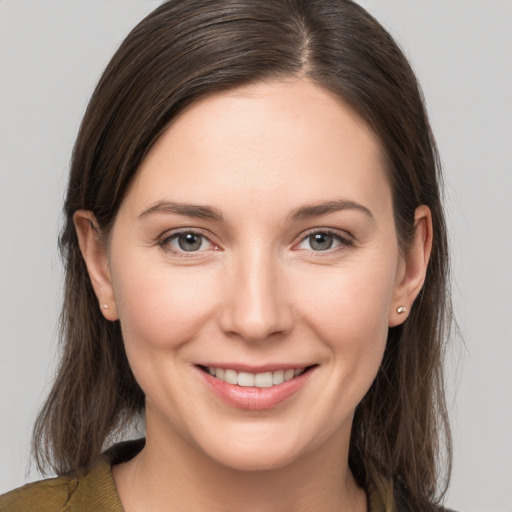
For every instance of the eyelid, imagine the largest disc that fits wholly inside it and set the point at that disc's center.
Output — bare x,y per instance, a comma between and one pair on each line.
346,239
164,239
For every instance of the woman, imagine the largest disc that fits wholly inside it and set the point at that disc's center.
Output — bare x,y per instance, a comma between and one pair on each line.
256,259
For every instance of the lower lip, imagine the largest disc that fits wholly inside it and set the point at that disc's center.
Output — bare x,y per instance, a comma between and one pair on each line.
253,398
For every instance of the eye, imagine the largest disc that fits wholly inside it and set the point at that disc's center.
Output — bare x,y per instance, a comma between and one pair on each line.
323,241
187,241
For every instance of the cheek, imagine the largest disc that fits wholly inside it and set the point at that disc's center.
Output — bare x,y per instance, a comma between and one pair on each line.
160,308
356,297
160,312
348,311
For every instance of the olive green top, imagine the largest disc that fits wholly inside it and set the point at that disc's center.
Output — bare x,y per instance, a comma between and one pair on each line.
96,491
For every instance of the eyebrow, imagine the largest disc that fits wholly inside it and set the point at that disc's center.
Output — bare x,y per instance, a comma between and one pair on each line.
319,209
210,213
186,209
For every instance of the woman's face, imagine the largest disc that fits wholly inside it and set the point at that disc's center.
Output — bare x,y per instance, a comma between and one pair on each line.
257,243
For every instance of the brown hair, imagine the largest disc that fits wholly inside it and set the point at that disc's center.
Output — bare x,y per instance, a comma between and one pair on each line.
185,50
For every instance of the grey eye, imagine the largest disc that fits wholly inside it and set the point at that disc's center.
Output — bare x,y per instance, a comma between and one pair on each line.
320,241
189,241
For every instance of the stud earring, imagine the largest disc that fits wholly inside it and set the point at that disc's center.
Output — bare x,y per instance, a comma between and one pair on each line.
401,309
105,306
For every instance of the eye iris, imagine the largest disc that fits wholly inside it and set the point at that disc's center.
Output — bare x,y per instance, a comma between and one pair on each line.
189,242
321,241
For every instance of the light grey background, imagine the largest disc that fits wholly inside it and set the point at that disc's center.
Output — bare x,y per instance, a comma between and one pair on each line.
51,55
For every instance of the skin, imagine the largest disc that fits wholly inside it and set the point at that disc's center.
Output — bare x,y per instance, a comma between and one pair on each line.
256,292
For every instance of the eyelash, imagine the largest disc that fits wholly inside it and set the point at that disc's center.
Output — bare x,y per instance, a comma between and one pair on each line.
344,241
164,242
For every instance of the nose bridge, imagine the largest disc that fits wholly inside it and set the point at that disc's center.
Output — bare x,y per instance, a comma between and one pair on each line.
257,304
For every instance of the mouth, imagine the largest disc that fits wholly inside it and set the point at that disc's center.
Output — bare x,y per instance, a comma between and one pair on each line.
247,379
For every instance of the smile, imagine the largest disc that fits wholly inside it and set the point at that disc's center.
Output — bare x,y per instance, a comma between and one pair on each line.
258,380
263,388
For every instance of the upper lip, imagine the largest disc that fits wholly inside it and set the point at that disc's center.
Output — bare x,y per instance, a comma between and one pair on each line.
270,367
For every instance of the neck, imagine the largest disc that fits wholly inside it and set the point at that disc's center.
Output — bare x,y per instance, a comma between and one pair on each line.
173,475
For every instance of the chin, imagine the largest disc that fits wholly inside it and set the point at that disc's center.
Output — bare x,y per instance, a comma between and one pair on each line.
261,449
261,459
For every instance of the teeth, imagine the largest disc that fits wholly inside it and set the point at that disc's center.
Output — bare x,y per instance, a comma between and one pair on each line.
231,377
245,379
259,380
263,380
278,377
289,374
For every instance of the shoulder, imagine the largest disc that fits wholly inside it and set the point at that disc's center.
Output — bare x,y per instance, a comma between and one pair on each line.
91,491
50,495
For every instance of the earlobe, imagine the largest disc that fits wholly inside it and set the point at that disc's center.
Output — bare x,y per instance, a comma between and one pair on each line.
414,267
94,252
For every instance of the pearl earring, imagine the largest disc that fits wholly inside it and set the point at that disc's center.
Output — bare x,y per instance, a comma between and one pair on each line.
105,306
401,309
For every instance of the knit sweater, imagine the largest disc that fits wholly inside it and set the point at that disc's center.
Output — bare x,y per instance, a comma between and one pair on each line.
95,491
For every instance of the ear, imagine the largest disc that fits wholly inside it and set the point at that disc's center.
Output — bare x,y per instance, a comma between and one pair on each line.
413,267
94,252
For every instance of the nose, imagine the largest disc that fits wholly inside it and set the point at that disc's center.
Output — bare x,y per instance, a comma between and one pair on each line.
256,305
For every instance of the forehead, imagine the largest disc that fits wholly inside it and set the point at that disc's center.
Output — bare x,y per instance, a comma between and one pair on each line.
291,140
